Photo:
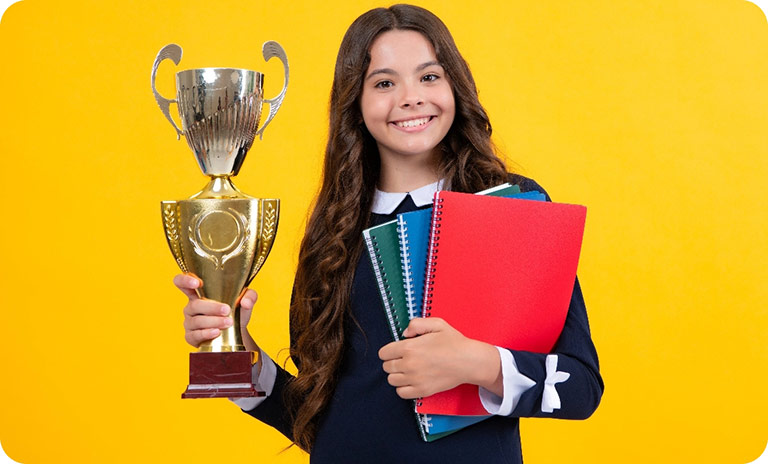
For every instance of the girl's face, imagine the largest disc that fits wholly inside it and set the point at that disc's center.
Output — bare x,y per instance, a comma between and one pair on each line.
407,100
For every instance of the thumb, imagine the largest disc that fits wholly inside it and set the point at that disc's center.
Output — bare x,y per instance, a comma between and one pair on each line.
247,302
422,325
245,316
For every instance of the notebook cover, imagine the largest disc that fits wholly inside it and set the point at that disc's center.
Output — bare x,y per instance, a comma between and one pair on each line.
505,275
413,230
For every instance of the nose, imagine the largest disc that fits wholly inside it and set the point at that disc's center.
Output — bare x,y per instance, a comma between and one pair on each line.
411,97
412,102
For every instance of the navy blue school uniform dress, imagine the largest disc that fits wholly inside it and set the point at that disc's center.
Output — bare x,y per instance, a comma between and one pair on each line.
366,422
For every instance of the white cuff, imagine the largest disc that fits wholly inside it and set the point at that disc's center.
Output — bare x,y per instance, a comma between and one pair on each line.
265,383
550,400
515,384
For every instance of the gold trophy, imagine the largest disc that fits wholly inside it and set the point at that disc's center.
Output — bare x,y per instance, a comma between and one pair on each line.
220,234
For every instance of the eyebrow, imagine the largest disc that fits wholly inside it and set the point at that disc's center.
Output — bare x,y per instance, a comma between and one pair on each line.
392,71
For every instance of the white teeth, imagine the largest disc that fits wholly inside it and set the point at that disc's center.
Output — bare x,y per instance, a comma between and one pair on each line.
413,122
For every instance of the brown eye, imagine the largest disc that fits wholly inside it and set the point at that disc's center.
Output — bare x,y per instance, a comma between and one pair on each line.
430,78
384,84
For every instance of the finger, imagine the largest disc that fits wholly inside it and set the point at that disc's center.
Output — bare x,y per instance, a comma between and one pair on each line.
249,299
392,366
422,325
398,380
392,350
187,283
206,308
407,393
207,322
196,337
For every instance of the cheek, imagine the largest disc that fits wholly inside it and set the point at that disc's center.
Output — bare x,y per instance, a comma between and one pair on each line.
373,109
446,102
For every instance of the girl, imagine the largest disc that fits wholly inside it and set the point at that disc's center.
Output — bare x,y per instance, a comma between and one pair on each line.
405,117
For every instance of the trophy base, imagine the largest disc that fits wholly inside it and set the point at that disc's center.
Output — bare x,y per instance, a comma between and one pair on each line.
222,375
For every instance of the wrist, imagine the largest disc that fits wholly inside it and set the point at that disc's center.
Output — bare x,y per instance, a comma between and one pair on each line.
248,341
485,368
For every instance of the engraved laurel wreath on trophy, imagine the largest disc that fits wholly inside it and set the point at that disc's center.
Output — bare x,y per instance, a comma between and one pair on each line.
220,234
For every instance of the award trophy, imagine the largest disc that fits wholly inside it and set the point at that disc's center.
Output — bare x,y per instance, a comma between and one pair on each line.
220,234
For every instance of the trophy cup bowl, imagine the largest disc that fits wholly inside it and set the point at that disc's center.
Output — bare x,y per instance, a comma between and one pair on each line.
220,234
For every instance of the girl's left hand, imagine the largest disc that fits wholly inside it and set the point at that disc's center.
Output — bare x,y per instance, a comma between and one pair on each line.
436,357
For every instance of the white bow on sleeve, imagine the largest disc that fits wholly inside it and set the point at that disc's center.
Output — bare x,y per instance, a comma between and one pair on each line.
550,400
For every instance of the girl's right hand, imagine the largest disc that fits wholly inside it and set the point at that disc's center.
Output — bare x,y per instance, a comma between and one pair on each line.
204,319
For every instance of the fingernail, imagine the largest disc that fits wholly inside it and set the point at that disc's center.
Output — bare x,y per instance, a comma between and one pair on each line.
228,322
193,282
225,310
246,302
214,333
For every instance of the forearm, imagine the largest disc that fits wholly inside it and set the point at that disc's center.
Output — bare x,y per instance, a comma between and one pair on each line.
566,386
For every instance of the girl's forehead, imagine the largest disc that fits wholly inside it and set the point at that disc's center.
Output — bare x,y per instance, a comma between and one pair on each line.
401,49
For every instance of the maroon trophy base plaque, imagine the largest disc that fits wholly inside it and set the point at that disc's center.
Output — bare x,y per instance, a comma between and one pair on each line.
221,375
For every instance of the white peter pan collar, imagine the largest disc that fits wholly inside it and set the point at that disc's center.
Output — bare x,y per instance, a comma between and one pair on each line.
387,202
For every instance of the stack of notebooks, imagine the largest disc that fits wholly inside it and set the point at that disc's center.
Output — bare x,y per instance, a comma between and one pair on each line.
499,266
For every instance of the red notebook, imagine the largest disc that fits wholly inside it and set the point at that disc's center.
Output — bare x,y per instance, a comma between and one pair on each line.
502,271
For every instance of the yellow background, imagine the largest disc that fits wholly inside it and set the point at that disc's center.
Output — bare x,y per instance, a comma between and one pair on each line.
654,114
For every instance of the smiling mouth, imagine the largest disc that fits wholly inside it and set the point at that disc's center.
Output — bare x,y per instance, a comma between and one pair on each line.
413,122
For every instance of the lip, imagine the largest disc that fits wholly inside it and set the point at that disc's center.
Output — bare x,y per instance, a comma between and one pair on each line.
431,117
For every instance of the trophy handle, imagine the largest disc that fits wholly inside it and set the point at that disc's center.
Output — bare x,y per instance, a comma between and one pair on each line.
172,52
271,49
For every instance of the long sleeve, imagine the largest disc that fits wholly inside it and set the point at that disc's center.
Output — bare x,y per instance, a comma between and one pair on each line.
272,410
568,382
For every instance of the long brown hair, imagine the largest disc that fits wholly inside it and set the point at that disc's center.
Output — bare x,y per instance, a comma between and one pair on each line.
333,241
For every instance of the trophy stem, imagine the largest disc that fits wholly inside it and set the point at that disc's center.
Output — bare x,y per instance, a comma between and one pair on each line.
220,187
229,339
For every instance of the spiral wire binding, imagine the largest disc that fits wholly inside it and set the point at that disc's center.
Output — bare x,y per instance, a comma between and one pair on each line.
434,240
405,263
425,421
